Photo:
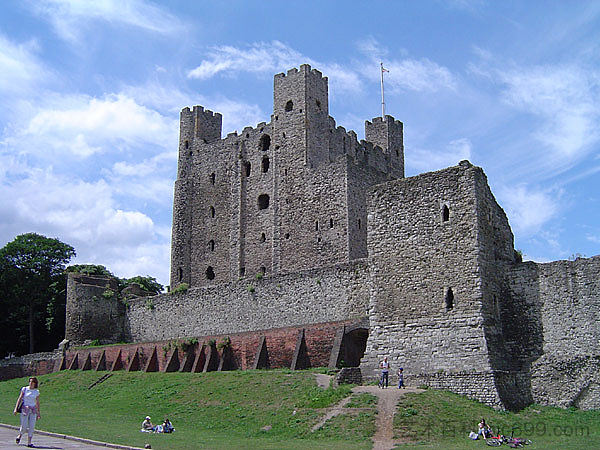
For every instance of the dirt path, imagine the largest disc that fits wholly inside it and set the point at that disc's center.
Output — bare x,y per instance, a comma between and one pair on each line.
387,400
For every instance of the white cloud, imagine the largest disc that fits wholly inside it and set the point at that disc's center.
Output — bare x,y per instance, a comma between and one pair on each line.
20,69
420,75
267,58
82,126
424,160
85,215
593,238
68,17
528,209
565,98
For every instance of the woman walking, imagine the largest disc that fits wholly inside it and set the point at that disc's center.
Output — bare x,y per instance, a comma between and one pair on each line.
28,404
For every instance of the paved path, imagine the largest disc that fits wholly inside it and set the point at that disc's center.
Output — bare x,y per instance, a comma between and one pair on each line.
51,441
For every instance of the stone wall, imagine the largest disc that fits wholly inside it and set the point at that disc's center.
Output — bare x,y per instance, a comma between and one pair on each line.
561,304
93,309
312,296
29,365
425,282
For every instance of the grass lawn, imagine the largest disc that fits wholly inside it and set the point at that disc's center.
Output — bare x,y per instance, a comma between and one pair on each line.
210,410
440,419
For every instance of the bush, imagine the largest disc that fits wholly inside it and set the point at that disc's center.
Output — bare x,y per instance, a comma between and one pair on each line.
182,287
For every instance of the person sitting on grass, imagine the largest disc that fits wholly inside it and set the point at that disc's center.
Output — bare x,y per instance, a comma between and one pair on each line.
484,429
147,426
167,426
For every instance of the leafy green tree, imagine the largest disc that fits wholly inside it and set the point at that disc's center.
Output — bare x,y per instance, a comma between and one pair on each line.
32,272
148,284
90,269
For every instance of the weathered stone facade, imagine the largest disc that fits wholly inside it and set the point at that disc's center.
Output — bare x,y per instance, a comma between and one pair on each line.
295,223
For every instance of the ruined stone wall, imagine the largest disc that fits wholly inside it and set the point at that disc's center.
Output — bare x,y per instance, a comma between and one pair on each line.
312,296
29,365
93,310
425,282
561,301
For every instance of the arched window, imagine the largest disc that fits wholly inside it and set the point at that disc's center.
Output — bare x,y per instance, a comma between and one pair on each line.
289,105
265,142
263,237
263,269
247,167
263,201
265,164
211,245
449,299
210,273
445,214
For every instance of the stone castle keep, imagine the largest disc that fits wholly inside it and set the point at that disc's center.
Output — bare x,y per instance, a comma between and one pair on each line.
307,247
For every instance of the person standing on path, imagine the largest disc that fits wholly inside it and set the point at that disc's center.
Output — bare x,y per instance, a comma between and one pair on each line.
28,404
400,378
385,369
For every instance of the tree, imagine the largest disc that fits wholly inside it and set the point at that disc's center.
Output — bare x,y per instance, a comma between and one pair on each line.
32,270
147,283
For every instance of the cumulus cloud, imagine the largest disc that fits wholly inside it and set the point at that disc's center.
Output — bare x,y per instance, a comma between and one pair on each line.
424,160
20,68
529,209
83,214
69,17
82,126
565,98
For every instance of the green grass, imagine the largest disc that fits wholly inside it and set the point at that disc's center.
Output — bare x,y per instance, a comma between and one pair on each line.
363,400
211,410
440,419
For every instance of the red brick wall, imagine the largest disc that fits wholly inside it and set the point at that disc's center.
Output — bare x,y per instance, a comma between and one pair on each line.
281,344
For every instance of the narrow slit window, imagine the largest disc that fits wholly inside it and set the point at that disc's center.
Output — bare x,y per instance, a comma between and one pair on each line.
265,164
265,142
330,223
211,245
263,237
449,299
210,273
359,224
247,168
212,178
263,201
212,211
180,274
317,225
187,144
242,271
445,214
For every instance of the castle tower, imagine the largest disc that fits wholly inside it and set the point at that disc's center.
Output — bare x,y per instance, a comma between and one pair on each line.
388,135
301,106
198,129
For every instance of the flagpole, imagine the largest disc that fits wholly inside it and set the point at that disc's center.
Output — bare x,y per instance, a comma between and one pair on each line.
382,96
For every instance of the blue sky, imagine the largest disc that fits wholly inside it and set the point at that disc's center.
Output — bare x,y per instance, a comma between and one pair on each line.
91,93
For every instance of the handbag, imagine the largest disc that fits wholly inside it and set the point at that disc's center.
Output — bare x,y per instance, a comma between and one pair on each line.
20,406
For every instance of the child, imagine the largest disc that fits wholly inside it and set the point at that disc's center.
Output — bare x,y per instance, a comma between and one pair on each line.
400,378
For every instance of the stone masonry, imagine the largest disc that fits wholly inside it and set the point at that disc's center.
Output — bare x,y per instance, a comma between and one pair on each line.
295,223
